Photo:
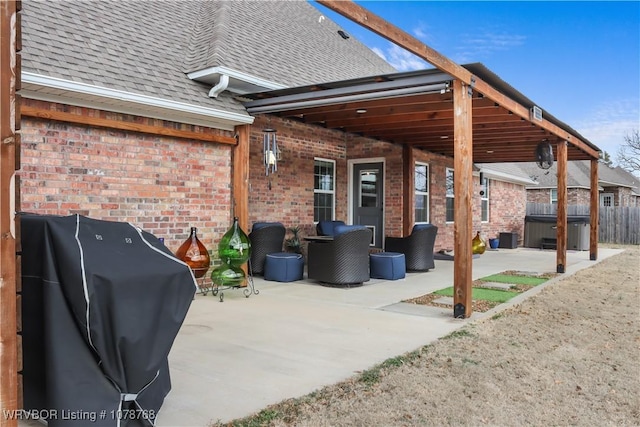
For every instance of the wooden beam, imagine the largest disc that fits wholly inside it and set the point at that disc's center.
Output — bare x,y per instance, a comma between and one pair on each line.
408,189
240,202
561,220
365,18
126,126
462,185
593,211
9,124
384,29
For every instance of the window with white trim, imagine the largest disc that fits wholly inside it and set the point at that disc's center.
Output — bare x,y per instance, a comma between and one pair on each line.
324,179
554,196
484,200
606,199
449,195
421,197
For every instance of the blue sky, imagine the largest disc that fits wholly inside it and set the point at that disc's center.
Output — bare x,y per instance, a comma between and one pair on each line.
579,60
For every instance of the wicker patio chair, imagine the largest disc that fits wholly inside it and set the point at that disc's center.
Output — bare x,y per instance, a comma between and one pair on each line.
343,260
266,238
417,247
327,228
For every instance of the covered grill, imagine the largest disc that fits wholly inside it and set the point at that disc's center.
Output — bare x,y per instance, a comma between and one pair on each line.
102,303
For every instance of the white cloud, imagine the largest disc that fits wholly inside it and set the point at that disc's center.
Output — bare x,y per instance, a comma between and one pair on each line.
400,58
608,124
474,48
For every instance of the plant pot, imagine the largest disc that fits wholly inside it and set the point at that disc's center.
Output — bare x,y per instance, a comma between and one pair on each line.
494,243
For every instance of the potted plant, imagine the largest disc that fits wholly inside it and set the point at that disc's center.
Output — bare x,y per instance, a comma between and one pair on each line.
293,243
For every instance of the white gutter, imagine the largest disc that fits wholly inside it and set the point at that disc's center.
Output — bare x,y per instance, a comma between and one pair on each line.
134,98
501,176
240,82
418,90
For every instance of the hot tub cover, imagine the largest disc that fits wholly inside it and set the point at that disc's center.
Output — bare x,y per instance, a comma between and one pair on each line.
102,304
581,219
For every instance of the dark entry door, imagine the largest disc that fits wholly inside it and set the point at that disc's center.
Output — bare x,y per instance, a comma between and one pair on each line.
368,198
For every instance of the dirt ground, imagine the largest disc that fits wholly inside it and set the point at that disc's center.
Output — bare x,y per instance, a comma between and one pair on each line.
569,355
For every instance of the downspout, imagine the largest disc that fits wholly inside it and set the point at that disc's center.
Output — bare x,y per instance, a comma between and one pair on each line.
220,87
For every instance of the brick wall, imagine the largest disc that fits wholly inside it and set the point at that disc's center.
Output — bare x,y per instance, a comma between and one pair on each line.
167,185
163,185
290,199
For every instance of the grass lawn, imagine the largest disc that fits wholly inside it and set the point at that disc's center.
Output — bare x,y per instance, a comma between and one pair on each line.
494,295
515,279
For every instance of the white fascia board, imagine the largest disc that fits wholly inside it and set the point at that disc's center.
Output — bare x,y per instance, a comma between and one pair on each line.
614,184
134,98
211,76
501,176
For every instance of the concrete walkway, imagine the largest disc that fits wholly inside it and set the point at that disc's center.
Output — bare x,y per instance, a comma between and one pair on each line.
236,357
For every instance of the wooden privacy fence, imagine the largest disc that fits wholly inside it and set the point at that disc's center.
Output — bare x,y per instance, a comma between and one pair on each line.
617,224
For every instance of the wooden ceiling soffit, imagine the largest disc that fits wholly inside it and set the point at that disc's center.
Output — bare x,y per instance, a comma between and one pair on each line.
394,34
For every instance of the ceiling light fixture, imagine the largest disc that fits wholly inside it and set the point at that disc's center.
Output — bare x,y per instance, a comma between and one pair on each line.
361,110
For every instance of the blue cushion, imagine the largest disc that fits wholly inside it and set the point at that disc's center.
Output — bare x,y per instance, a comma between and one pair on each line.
328,227
283,267
339,229
387,265
421,227
259,225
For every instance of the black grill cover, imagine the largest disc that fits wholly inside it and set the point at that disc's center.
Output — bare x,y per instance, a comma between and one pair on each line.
102,303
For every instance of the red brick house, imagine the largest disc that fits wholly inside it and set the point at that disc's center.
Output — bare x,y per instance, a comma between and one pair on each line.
154,113
616,186
120,127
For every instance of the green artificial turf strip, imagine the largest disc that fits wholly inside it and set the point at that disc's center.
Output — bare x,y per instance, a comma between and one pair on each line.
516,280
482,294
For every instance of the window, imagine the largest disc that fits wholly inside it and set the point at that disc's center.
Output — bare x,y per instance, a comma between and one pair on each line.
484,200
554,196
449,185
421,198
324,178
606,199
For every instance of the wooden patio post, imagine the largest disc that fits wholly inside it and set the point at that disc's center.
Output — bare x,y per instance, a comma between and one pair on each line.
561,220
240,169
9,162
594,217
462,188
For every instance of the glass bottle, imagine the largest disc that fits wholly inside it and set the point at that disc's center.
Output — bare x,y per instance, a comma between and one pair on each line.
195,254
235,246
478,245
234,250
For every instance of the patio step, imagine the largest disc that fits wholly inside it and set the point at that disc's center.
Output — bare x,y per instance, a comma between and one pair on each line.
498,285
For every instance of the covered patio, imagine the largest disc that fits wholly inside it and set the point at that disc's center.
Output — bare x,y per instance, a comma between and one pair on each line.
463,112
235,358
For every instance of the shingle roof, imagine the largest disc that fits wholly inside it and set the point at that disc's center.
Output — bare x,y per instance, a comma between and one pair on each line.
289,42
579,175
146,47
133,46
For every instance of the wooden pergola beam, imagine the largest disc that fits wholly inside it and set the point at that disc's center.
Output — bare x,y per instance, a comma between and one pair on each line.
62,116
9,127
595,205
561,218
365,18
462,186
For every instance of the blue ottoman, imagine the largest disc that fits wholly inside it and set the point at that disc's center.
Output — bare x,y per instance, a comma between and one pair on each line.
387,265
283,267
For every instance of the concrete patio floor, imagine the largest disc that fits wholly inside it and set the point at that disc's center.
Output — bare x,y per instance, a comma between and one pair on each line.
236,357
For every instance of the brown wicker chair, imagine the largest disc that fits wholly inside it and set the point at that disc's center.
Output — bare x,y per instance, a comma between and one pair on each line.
417,247
266,238
343,260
